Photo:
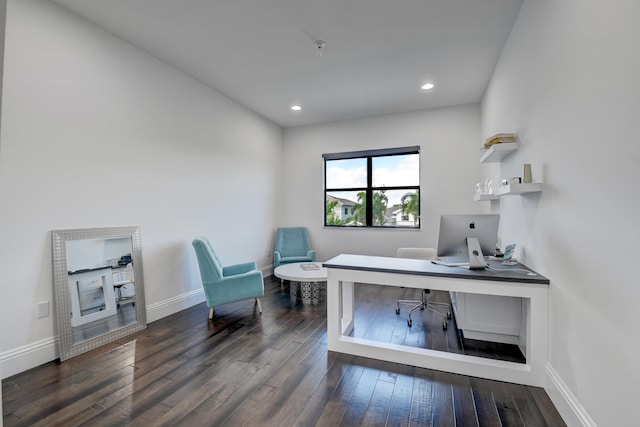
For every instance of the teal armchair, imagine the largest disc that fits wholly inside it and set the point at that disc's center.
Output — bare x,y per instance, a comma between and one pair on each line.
292,245
226,284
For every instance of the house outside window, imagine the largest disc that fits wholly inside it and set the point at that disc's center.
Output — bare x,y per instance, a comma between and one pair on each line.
373,188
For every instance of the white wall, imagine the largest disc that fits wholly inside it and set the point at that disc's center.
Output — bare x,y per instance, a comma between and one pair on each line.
449,139
567,83
96,133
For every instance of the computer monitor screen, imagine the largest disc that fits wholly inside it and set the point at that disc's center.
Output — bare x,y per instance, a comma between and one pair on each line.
454,230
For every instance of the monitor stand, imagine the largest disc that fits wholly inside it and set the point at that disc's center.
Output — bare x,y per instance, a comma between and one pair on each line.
476,259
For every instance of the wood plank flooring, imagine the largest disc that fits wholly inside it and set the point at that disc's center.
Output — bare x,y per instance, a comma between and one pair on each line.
246,369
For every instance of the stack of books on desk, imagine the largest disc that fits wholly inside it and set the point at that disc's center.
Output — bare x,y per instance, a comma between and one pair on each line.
310,266
499,138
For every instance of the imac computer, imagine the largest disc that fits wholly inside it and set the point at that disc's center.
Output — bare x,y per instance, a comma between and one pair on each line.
468,237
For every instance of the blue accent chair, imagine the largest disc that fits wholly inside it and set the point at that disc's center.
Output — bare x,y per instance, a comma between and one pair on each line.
226,284
292,245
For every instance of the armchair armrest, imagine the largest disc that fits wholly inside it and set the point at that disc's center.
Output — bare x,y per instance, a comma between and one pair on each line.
234,288
233,270
276,258
311,254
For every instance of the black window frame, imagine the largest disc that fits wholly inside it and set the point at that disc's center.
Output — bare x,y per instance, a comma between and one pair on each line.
369,155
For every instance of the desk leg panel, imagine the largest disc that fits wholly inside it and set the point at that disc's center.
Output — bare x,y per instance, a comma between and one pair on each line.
340,306
440,361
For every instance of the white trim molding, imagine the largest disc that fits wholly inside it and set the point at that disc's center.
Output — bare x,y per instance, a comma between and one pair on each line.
28,356
173,305
267,270
572,412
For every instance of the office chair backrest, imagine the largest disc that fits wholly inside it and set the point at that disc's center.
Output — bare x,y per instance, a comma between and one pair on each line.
416,253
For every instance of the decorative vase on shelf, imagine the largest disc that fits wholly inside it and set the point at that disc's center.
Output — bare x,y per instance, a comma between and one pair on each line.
488,186
526,176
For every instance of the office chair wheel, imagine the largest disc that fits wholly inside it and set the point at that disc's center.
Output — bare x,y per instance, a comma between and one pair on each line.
409,322
448,315
444,325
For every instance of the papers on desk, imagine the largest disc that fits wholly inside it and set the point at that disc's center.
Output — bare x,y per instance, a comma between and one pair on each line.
308,266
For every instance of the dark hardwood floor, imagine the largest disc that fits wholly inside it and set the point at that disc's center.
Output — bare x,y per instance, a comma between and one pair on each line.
245,369
376,319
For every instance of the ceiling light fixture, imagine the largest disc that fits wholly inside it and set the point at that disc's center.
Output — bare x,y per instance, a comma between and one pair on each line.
296,107
427,86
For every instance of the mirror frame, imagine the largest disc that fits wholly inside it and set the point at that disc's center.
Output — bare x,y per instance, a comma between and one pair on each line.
59,239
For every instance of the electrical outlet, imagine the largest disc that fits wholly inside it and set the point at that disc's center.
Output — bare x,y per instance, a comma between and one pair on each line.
43,309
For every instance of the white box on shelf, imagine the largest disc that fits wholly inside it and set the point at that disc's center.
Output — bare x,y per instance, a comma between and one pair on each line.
533,187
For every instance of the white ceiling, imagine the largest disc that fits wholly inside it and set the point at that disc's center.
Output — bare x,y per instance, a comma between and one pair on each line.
378,53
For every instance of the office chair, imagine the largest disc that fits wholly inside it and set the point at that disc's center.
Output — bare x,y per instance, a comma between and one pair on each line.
427,254
124,279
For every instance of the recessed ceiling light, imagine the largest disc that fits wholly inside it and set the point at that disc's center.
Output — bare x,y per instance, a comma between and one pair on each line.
427,86
296,107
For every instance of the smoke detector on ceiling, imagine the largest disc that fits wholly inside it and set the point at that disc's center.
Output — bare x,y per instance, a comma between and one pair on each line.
319,44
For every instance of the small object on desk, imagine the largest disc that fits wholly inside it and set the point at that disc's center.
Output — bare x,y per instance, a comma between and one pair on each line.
498,252
309,266
450,264
508,254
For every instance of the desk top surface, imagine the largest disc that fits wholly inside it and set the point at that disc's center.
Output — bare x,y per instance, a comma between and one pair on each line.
496,270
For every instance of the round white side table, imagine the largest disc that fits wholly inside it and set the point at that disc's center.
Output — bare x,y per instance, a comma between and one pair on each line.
307,285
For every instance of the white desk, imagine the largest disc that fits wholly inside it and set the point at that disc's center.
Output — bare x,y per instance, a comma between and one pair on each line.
345,270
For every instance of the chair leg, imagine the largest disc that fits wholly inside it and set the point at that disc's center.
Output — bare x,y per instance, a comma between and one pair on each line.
259,304
211,311
425,304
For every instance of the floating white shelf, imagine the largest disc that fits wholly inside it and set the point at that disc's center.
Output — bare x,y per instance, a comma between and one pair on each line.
497,152
533,187
485,196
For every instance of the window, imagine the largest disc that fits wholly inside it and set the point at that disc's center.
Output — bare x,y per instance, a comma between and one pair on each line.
375,188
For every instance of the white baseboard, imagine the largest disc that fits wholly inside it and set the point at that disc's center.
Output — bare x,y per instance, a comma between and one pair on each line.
267,270
28,356
173,305
565,401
